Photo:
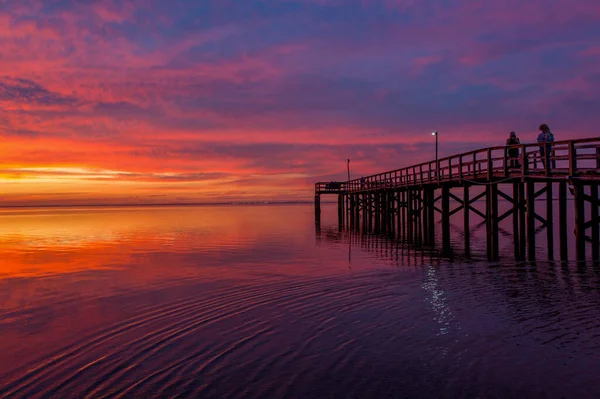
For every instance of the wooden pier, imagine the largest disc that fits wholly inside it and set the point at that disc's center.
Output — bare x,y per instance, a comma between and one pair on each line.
403,203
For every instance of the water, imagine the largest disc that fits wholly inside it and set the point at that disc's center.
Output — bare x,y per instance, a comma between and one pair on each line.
254,302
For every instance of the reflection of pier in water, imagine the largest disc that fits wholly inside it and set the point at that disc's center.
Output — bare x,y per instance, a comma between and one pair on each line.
514,278
403,203
383,246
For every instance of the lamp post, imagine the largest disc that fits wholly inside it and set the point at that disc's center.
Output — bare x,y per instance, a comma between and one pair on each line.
437,165
348,169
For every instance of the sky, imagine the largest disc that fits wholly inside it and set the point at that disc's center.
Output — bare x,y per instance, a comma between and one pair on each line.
151,101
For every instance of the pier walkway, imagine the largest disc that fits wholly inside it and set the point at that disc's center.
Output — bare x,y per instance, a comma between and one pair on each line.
403,202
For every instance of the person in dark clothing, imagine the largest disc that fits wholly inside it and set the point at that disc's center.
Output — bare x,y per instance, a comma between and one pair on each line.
513,153
544,139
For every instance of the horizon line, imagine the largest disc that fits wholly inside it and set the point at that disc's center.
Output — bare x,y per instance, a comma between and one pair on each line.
160,204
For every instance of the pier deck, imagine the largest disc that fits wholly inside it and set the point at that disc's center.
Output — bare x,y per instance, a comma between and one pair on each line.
403,202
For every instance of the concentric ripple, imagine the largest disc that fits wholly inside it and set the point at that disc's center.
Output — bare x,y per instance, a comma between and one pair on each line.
290,315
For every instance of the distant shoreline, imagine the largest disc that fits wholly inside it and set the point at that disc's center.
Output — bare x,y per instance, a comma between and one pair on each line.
166,204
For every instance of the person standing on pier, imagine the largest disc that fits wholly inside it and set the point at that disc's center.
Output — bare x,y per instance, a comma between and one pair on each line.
545,140
513,152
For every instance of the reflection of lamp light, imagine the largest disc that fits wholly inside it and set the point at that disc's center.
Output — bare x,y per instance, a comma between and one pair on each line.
437,166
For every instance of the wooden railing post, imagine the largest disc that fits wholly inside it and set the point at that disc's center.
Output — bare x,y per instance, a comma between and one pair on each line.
490,164
548,150
572,159
524,160
460,168
505,161
430,171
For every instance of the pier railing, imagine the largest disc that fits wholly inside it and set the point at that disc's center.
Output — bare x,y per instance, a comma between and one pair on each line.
570,159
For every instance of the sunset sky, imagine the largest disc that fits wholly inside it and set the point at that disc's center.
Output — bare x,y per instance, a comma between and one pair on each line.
147,101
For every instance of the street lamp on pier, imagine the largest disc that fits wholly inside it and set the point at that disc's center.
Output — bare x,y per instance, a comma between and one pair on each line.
437,165
348,169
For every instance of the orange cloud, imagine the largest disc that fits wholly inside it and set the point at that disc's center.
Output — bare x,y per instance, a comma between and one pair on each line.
136,100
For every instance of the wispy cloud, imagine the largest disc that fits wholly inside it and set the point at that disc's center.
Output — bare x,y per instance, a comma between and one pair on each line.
139,98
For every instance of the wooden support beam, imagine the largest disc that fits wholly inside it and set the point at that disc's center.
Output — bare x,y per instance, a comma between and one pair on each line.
493,220
392,212
585,196
318,208
358,200
350,211
594,219
431,217
415,211
457,209
488,229
508,213
341,209
530,220
478,197
579,204
466,226
384,207
455,198
540,192
419,215
522,220
478,212
369,212
383,203
541,219
346,208
446,217
549,221
398,213
402,215
425,219
507,197
515,221
377,213
409,216
562,220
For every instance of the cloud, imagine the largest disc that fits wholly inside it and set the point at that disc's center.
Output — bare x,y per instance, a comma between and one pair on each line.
23,91
261,98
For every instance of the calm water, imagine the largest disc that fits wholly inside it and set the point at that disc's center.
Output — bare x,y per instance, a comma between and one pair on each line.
254,302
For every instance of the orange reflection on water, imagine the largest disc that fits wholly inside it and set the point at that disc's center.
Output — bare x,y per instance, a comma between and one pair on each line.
40,242
62,268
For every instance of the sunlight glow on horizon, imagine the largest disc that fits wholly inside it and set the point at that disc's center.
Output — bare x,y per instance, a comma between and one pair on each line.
138,102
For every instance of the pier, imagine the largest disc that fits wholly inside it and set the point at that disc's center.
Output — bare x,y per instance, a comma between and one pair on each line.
403,203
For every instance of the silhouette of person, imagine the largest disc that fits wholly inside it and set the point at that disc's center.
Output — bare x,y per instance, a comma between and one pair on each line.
513,153
545,140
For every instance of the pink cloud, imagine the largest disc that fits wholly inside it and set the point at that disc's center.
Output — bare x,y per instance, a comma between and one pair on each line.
133,87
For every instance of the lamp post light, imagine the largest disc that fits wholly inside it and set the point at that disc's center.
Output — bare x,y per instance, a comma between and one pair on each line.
437,165
348,169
